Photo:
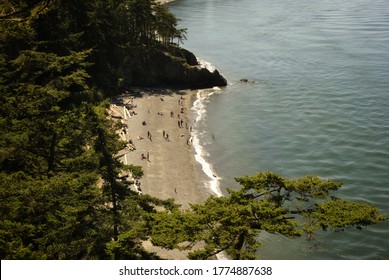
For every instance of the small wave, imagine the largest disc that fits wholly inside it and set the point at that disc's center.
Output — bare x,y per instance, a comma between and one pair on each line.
200,111
205,64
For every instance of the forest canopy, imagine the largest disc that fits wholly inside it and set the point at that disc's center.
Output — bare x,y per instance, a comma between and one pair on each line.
62,195
60,190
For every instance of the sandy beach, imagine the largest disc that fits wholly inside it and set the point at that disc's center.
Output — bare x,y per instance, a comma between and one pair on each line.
160,130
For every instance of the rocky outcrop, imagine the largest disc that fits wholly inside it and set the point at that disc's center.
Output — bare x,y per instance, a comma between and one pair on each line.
175,67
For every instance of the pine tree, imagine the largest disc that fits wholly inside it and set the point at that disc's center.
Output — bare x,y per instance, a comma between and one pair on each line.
266,202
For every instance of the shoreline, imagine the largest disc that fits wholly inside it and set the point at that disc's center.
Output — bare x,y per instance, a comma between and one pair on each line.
160,131
173,166
198,109
163,134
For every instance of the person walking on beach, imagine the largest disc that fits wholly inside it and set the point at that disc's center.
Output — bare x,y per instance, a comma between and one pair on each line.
148,156
164,134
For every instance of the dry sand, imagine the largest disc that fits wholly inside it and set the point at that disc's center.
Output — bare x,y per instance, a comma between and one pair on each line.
170,170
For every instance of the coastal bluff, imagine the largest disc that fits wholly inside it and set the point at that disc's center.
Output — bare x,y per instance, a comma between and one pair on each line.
164,67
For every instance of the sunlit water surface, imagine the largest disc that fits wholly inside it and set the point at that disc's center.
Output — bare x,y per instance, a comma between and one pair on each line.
317,102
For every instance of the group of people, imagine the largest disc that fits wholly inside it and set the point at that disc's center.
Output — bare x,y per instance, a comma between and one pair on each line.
165,134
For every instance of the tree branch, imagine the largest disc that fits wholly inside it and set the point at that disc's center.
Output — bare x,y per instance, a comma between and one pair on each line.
24,14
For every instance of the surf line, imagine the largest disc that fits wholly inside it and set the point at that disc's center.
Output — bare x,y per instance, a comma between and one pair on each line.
199,109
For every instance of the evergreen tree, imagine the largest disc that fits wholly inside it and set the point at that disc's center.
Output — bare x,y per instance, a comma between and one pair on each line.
61,195
266,202
60,190
166,26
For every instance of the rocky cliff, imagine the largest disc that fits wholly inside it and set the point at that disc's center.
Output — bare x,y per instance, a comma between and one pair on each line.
173,67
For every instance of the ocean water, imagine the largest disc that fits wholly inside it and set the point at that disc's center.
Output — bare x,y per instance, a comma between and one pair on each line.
316,102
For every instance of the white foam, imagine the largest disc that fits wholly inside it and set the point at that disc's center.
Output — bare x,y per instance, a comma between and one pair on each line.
205,64
199,108
200,112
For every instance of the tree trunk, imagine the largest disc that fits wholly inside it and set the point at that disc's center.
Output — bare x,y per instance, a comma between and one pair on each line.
239,244
51,159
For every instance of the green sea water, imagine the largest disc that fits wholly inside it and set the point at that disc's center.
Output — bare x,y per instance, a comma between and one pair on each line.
316,102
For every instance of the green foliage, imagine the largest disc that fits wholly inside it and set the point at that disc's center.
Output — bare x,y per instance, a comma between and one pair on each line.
61,195
166,26
171,228
67,26
135,170
336,214
266,202
135,214
53,218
